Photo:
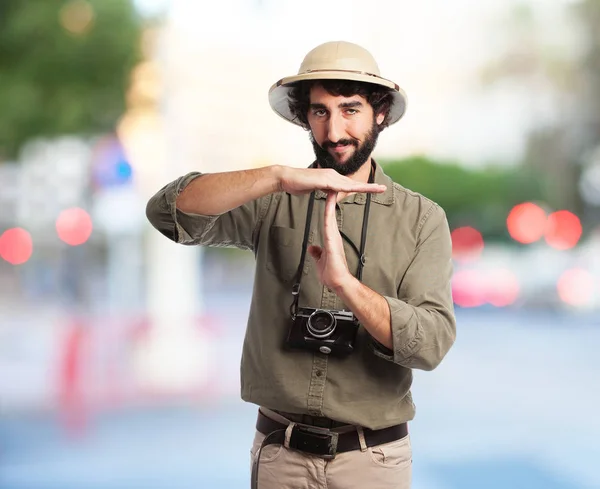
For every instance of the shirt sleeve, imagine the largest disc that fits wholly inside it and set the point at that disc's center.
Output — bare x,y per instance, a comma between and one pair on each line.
423,322
236,228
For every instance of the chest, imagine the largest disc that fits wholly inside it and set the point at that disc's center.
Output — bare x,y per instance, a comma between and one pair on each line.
387,240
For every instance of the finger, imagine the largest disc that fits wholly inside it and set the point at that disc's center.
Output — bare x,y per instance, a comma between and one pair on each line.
373,188
330,217
331,201
331,233
359,187
376,188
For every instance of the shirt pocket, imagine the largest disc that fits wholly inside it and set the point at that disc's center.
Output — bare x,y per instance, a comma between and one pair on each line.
285,250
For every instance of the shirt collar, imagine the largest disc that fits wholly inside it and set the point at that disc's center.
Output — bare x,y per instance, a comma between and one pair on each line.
386,198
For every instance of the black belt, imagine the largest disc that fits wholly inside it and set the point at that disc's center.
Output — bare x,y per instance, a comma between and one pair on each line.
323,442
319,421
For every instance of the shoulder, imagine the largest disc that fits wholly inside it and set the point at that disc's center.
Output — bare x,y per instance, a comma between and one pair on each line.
421,208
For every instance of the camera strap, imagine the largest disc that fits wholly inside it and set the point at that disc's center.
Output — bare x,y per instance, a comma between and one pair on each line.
360,253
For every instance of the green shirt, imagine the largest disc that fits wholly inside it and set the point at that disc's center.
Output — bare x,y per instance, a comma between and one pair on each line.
408,261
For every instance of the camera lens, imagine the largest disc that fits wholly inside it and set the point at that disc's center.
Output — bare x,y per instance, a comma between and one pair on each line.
321,324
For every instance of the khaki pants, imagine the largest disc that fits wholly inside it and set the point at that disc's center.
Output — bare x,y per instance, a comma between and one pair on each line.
387,466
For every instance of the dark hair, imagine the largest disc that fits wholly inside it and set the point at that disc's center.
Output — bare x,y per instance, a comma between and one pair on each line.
378,96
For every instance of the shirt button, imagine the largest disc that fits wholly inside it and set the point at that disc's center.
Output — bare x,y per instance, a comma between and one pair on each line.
319,373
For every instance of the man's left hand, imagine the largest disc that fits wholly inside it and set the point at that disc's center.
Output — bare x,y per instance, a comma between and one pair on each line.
330,258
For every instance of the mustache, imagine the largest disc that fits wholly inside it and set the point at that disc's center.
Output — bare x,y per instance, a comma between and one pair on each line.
341,142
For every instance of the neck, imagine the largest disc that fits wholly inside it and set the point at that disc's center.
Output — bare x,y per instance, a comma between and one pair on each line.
363,173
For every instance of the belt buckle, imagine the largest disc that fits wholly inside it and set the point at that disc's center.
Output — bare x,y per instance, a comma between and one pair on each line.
314,440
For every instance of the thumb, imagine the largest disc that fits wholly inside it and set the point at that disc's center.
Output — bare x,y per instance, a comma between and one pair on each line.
315,251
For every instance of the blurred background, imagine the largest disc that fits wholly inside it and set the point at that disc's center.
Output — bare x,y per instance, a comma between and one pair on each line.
119,351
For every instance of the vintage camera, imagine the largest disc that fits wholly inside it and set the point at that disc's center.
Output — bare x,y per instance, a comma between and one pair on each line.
324,330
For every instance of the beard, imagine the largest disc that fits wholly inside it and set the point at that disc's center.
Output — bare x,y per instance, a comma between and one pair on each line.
357,159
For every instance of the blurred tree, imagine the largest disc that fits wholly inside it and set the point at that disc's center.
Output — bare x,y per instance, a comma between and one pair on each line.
588,14
64,67
471,197
587,104
562,59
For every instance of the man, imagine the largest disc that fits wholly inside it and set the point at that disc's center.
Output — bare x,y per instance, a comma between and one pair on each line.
331,339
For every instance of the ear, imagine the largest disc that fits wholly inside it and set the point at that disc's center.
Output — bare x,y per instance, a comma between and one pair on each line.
380,117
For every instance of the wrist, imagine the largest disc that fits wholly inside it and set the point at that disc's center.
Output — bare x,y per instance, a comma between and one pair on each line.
277,175
346,287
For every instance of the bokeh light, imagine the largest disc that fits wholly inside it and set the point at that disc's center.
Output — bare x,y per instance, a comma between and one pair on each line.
467,244
16,246
563,230
74,226
77,17
503,287
576,287
110,165
526,222
473,288
468,288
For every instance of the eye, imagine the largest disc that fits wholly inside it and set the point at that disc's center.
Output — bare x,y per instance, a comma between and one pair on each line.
351,111
319,112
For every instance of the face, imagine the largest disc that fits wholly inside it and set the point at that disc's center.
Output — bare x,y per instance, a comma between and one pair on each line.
344,130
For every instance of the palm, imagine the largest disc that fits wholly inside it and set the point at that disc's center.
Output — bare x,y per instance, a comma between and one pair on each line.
298,181
332,268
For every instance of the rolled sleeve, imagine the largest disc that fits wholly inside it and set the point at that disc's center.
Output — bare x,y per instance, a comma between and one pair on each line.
422,318
236,228
163,214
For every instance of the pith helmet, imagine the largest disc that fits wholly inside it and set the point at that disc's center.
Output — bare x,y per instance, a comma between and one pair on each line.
337,60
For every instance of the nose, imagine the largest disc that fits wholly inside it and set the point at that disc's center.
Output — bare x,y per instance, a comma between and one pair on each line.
335,128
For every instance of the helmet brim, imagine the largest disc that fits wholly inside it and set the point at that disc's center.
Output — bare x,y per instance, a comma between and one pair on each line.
279,92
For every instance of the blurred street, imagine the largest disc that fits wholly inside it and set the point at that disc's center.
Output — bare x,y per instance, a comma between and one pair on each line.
513,405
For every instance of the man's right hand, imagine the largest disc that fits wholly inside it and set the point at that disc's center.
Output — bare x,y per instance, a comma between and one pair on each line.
216,193
298,181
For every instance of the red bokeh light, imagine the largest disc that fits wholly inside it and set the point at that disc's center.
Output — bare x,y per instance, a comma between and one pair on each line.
526,222
563,230
74,226
16,246
503,287
576,287
468,288
467,244
474,288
